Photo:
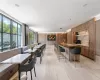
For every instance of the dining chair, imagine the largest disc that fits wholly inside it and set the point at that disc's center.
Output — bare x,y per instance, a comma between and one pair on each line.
40,53
28,67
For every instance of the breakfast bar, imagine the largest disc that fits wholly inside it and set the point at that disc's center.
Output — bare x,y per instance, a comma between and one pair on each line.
67,48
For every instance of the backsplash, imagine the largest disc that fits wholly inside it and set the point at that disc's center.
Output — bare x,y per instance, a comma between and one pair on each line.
84,37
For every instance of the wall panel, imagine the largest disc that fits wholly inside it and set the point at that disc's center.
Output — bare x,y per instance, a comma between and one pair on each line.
91,28
98,37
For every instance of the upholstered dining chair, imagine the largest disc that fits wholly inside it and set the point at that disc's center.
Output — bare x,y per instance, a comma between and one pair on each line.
28,67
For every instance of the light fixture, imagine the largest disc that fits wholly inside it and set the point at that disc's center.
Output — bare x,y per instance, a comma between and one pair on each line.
60,28
17,5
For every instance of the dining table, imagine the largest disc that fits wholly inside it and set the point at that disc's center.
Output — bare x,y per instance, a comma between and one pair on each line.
30,50
17,59
38,46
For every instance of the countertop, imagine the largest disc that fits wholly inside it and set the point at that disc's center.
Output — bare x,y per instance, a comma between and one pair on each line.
72,45
3,68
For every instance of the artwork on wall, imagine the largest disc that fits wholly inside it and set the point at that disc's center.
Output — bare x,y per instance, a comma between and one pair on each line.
51,37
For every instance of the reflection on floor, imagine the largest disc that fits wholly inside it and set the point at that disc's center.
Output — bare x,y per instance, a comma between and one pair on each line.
52,69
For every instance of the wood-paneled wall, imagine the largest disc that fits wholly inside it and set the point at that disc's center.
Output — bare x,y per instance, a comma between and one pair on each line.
69,37
91,28
98,37
61,37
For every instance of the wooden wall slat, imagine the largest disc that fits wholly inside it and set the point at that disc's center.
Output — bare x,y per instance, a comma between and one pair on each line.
61,37
91,28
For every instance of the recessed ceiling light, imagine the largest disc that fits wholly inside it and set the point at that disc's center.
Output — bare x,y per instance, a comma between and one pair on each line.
17,5
85,5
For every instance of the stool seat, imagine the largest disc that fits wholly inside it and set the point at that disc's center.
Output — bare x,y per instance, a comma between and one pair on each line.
75,50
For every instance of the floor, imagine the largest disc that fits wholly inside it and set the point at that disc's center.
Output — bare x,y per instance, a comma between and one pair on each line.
53,69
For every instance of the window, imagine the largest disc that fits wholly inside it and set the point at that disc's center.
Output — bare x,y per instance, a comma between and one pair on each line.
0,42
6,25
10,33
19,35
6,41
0,32
6,33
14,35
31,37
0,23
14,24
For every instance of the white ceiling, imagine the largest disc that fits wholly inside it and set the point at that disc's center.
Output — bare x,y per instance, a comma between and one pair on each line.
51,15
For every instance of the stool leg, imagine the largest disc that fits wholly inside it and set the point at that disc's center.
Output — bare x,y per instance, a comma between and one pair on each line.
75,60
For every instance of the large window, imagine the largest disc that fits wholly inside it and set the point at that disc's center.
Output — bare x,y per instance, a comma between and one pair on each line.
9,33
0,32
31,37
19,35
14,35
6,33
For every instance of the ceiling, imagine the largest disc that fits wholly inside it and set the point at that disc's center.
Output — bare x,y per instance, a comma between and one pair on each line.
51,15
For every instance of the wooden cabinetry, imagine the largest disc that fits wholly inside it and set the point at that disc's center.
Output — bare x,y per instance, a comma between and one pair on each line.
61,37
74,37
92,40
85,51
91,28
69,37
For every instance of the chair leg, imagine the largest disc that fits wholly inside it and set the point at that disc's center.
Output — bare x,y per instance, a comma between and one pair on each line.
31,74
40,59
34,72
26,75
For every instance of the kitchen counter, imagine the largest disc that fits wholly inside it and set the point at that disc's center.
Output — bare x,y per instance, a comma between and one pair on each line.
73,45
68,46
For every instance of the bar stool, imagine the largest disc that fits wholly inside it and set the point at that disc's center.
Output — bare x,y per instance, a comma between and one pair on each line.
61,52
76,51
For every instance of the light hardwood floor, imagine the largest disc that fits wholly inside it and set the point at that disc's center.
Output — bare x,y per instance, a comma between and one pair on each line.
52,69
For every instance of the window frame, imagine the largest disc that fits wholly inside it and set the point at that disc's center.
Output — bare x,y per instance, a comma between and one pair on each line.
11,32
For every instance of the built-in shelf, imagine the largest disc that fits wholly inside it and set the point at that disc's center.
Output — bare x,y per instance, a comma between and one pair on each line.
82,35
